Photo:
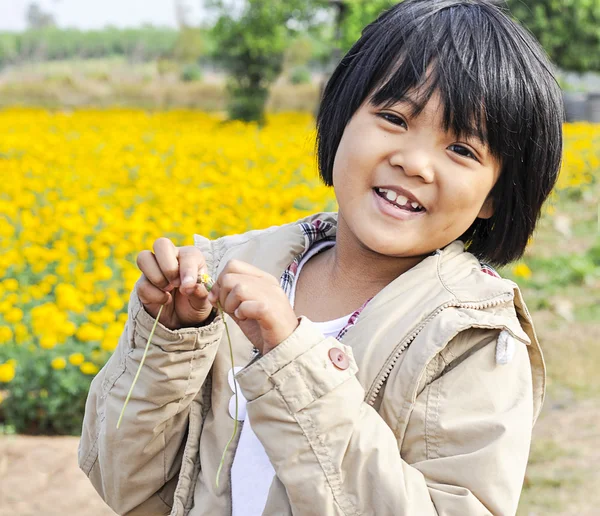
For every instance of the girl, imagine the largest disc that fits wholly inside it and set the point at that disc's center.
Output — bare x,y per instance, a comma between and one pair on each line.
386,370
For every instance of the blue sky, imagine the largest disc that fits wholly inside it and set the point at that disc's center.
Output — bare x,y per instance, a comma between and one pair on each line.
92,14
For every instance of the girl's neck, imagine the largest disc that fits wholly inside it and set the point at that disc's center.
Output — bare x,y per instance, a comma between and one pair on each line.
351,267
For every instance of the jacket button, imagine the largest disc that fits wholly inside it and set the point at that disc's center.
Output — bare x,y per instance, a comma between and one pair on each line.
339,359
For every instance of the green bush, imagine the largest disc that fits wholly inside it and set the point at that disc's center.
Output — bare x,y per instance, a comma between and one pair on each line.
300,75
191,73
42,400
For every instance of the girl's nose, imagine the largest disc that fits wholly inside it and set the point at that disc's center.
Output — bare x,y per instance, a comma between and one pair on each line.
415,162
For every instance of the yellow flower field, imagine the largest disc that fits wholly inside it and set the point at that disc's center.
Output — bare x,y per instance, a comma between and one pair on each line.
84,192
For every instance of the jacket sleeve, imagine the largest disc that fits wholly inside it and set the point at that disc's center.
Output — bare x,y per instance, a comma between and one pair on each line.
464,451
135,468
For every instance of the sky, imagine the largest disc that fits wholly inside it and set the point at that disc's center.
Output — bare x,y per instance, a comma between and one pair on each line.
95,14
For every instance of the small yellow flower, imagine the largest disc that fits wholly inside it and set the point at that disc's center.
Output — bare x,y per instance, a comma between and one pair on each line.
89,332
14,315
47,341
76,359
11,284
207,281
522,271
7,373
89,368
6,334
58,363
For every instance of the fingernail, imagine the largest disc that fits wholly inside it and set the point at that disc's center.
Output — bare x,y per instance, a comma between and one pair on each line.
188,281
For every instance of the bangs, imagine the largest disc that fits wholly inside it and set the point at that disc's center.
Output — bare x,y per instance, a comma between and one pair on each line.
461,53
494,82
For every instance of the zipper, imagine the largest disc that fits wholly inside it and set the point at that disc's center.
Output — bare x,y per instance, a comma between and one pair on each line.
380,381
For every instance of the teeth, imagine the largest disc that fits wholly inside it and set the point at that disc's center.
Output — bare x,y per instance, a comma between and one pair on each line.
390,195
400,200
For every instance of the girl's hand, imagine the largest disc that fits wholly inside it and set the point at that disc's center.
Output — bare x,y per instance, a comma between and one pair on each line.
256,302
169,277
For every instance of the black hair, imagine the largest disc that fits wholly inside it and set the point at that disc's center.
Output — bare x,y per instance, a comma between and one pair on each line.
494,80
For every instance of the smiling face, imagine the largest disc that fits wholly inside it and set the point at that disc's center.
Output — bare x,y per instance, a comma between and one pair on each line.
406,187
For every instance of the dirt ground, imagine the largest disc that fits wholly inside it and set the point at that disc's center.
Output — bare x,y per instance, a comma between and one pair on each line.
39,476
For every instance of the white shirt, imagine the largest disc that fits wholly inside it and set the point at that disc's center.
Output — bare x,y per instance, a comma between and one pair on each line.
252,472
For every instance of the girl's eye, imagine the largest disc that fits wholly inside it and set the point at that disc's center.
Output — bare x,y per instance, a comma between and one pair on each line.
394,119
463,151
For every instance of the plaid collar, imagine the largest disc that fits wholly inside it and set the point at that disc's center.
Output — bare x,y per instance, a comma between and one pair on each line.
315,231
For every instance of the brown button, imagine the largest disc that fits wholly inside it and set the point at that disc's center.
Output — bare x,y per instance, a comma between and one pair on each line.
339,358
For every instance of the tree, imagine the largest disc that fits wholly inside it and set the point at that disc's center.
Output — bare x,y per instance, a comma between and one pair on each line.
251,45
569,30
37,18
357,15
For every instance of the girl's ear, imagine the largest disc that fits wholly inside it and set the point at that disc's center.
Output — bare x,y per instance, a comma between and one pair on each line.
487,210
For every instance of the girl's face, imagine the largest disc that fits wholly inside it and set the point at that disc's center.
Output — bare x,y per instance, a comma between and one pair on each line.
404,186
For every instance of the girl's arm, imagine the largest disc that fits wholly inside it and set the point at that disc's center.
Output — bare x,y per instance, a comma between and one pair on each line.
135,468
464,451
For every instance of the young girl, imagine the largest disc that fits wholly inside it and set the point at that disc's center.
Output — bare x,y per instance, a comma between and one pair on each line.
386,369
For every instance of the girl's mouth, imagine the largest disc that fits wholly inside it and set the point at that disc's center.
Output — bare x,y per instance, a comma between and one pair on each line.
400,202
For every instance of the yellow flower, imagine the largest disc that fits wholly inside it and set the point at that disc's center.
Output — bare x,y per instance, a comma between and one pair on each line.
11,284
89,368
47,341
68,298
13,315
21,333
58,363
6,334
76,359
522,271
7,372
89,332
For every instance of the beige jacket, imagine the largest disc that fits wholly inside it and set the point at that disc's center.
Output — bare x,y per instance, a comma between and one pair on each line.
433,415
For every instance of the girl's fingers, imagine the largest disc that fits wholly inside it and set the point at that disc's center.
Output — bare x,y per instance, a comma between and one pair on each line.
166,257
191,264
241,267
150,294
251,309
197,296
146,262
231,298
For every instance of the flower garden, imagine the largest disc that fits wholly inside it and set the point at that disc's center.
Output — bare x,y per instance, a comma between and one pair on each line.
84,192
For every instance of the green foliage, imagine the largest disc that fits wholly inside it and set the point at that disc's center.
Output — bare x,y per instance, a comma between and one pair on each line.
358,15
8,48
42,400
190,45
569,30
300,75
251,47
52,44
299,52
191,73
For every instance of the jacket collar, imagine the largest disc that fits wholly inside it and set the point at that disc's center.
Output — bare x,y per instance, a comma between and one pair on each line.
449,278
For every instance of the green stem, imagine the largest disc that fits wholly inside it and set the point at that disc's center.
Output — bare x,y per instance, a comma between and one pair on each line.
140,366
235,424
137,374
